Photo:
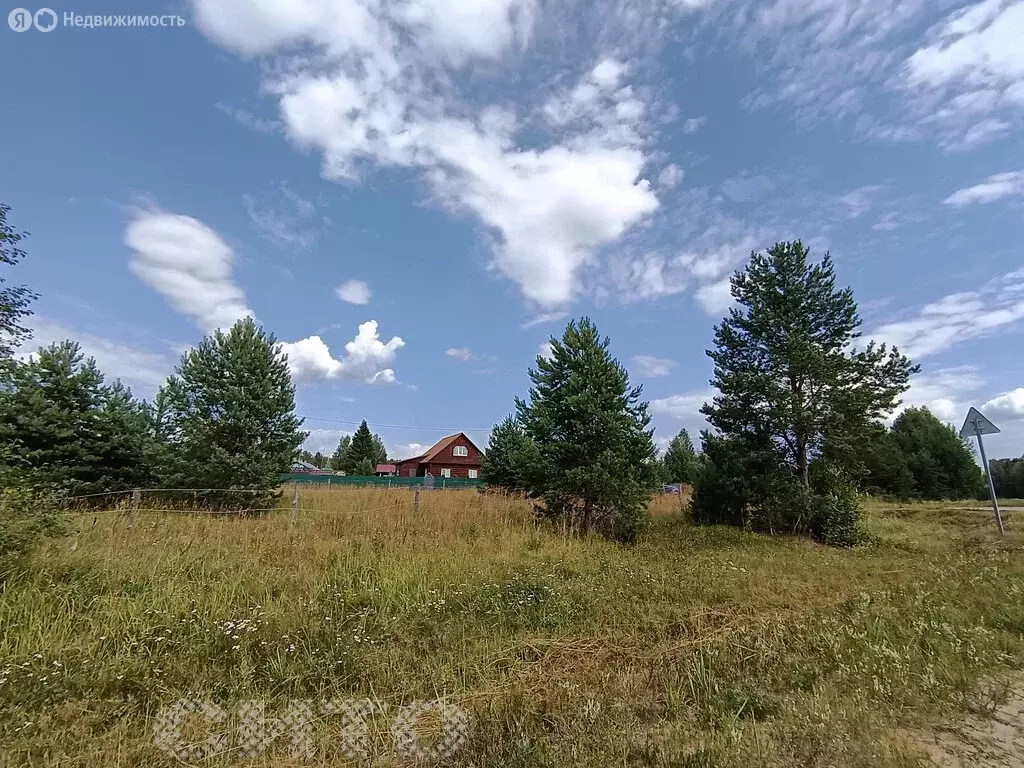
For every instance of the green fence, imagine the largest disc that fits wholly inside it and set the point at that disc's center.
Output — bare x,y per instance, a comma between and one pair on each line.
347,481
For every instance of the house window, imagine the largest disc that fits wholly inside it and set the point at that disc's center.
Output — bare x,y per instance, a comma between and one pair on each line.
460,450
446,473
472,474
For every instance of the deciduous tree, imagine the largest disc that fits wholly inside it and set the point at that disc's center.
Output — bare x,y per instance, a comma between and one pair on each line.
15,300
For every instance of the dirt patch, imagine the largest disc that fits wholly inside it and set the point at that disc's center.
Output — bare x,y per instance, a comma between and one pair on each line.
995,740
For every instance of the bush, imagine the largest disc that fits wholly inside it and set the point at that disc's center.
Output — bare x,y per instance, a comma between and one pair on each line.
26,516
836,507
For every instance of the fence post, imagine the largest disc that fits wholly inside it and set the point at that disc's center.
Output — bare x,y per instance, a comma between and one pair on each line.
416,501
295,504
133,509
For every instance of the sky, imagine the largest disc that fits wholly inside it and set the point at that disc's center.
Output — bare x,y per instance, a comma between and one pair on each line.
415,195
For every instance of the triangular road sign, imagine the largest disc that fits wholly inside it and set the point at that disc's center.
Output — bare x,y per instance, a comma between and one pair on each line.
976,424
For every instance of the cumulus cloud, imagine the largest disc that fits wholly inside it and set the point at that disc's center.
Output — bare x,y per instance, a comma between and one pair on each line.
367,358
958,317
189,264
993,188
372,97
545,350
354,292
1008,406
652,367
944,391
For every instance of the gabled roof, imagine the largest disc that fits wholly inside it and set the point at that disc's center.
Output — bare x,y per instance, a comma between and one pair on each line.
385,468
439,446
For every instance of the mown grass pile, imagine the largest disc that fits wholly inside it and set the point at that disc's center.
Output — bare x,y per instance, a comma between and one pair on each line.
698,646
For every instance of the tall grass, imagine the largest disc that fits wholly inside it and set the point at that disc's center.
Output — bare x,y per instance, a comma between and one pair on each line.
699,646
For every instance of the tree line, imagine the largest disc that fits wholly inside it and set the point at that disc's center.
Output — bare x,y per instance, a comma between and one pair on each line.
356,454
797,427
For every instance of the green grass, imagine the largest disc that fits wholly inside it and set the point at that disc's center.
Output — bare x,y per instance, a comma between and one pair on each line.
698,647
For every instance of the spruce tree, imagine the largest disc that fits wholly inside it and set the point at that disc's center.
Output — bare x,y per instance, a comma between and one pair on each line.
63,427
230,410
592,467
14,300
508,456
364,445
337,460
680,461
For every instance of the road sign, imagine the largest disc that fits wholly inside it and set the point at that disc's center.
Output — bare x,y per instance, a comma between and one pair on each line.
976,425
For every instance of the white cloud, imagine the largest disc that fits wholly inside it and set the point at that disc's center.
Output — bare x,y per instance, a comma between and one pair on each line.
993,188
716,297
860,201
544,317
958,317
462,354
685,407
380,91
654,275
140,369
670,176
403,451
652,367
190,264
284,218
324,440
694,124
249,120
1008,406
545,350
367,358
944,392
354,292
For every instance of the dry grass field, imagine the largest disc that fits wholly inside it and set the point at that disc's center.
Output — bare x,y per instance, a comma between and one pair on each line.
697,647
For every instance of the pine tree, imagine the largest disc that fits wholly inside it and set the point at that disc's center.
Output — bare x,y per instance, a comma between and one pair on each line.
680,462
337,461
14,300
64,428
594,450
508,457
231,414
787,377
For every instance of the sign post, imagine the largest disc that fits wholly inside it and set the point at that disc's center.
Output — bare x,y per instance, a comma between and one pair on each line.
977,425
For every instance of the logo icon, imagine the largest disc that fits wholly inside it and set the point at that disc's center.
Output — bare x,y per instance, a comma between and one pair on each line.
20,20
45,19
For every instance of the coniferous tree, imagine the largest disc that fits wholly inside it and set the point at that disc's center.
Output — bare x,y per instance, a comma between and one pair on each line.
594,451
789,381
319,460
509,455
364,445
364,468
1008,477
63,427
14,300
230,410
680,460
337,461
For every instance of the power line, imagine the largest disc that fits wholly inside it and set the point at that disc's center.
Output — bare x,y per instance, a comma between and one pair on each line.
450,430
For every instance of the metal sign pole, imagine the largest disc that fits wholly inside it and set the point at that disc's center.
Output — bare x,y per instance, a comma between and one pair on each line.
991,488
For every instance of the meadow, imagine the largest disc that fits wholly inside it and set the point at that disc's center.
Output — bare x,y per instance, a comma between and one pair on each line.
700,646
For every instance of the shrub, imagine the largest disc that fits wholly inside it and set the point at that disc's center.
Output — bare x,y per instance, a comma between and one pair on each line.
26,516
836,507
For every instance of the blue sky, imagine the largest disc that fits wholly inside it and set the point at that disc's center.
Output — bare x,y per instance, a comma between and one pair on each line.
413,195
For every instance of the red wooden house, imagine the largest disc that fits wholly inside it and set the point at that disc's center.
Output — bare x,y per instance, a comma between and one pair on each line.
452,456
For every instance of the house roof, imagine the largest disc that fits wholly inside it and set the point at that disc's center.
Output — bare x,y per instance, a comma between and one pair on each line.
439,446
304,464
385,468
